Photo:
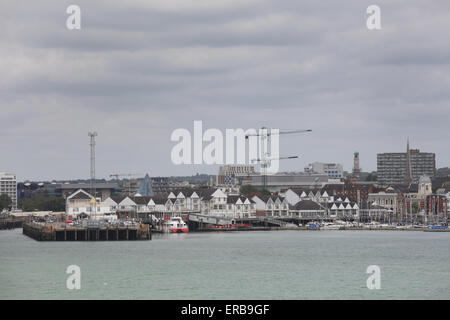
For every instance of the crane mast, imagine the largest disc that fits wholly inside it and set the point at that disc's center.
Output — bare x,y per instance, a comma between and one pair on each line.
264,159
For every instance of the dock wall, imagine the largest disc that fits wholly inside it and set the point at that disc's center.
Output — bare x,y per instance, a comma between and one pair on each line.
53,233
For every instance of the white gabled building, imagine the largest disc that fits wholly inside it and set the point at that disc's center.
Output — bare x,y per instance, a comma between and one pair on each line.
82,203
218,203
272,205
206,201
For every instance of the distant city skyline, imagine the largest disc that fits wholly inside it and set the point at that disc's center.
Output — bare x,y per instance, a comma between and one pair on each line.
136,71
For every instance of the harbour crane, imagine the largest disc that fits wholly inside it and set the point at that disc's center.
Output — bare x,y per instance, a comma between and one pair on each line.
265,159
129,175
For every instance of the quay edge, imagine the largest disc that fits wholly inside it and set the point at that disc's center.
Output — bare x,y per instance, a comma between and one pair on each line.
109,233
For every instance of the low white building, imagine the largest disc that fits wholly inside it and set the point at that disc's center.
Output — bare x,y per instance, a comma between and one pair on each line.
333,170
218,203
82,203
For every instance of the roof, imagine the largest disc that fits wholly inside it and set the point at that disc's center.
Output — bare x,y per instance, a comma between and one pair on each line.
80,195
424,179
141,200
206,194
117,198
187,192
266,198
234,199
307,205
159,200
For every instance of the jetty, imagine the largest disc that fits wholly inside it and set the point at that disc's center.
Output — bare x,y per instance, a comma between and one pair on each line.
91,232
10,223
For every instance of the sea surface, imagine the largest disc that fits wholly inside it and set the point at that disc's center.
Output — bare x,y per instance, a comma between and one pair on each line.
234,265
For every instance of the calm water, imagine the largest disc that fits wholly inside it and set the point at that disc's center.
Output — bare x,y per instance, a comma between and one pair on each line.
246,265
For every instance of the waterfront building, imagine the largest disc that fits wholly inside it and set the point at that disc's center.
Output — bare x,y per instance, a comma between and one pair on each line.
82,203
388,199
211,201
373,212
273,205
436,208
333,170
308,209
218,203
447,194
8,186
343,209
334,206
293,196
399,168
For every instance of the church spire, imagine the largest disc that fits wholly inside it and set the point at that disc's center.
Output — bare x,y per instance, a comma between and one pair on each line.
408,175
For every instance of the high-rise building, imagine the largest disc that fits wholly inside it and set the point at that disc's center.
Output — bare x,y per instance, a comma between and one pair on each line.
407,167
8,186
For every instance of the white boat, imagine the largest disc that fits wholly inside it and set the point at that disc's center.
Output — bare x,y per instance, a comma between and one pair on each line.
175,225
330,226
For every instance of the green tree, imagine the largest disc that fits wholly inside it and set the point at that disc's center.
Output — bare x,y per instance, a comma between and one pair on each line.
249,190
5,202
43,203
415,208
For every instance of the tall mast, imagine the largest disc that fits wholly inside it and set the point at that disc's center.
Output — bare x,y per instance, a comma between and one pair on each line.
92,135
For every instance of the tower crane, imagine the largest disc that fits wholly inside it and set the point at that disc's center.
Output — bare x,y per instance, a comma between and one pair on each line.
265,159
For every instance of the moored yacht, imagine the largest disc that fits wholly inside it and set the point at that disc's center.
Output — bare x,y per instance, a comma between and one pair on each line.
330,226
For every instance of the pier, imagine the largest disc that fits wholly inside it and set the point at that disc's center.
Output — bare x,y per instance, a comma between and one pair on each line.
62,232
10,223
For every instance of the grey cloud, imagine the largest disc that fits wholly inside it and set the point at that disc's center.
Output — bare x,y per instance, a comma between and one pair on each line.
139,69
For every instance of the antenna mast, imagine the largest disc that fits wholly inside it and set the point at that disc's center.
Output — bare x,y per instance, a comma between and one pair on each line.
92,135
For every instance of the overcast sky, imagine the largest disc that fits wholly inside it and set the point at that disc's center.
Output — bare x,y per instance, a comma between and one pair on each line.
137,70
